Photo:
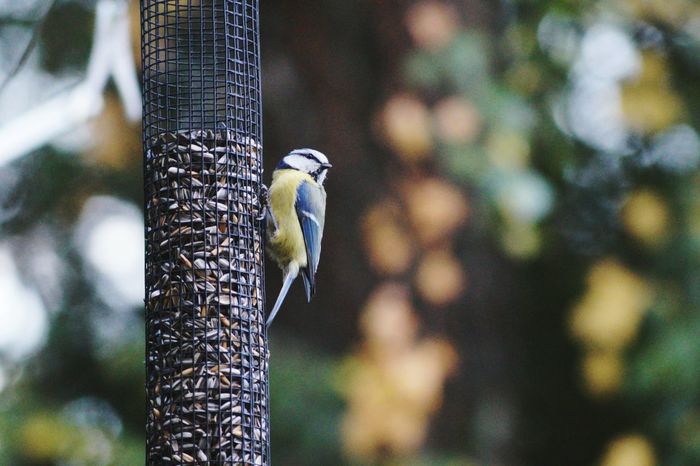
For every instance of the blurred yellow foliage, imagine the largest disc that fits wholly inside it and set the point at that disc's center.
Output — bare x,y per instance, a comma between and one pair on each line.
440,278
630,450
395,382
672,11
520,239
693,212
649,102
419,374
432,24
457,120
602,372
404,124
524,77
436,208
388,320
116,143
44,438
135,31
646,217
508,149
389,245
609,314
49,439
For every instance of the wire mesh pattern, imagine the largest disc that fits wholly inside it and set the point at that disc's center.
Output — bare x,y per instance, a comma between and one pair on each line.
207,357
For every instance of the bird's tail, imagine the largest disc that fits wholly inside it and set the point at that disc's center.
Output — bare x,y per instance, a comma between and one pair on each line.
289,277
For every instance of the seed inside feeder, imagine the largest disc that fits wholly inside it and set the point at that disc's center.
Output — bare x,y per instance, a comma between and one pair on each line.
206,354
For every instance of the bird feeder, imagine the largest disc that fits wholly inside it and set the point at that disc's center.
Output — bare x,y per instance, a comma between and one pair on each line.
206,342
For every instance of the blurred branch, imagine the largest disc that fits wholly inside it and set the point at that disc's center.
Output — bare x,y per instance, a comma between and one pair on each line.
110,57
29,47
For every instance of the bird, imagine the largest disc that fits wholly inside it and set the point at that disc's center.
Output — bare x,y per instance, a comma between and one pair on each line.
294,216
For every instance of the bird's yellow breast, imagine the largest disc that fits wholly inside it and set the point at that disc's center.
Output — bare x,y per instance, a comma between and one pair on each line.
286,244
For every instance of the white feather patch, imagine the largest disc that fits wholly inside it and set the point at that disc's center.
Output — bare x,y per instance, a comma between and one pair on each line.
312,217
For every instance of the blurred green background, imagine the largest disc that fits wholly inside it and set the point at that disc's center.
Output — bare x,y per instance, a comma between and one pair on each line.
511,270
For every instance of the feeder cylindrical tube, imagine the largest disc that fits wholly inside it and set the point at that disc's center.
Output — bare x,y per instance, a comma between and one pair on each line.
206,346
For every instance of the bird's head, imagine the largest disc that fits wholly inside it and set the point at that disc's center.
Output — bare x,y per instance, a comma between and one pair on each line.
309,161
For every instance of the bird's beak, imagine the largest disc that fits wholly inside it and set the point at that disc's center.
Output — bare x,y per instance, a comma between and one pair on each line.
326,165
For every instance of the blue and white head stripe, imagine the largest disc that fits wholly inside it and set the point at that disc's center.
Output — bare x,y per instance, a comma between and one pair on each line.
311,154
309,161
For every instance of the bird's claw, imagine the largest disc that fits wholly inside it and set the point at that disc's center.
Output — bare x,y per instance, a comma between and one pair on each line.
264,202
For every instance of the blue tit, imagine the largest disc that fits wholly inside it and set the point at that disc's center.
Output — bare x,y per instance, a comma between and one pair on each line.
295,215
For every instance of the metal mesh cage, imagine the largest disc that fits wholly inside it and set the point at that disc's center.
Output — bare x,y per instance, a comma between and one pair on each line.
206,347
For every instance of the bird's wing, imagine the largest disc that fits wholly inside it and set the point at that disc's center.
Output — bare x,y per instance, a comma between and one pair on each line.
310,207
